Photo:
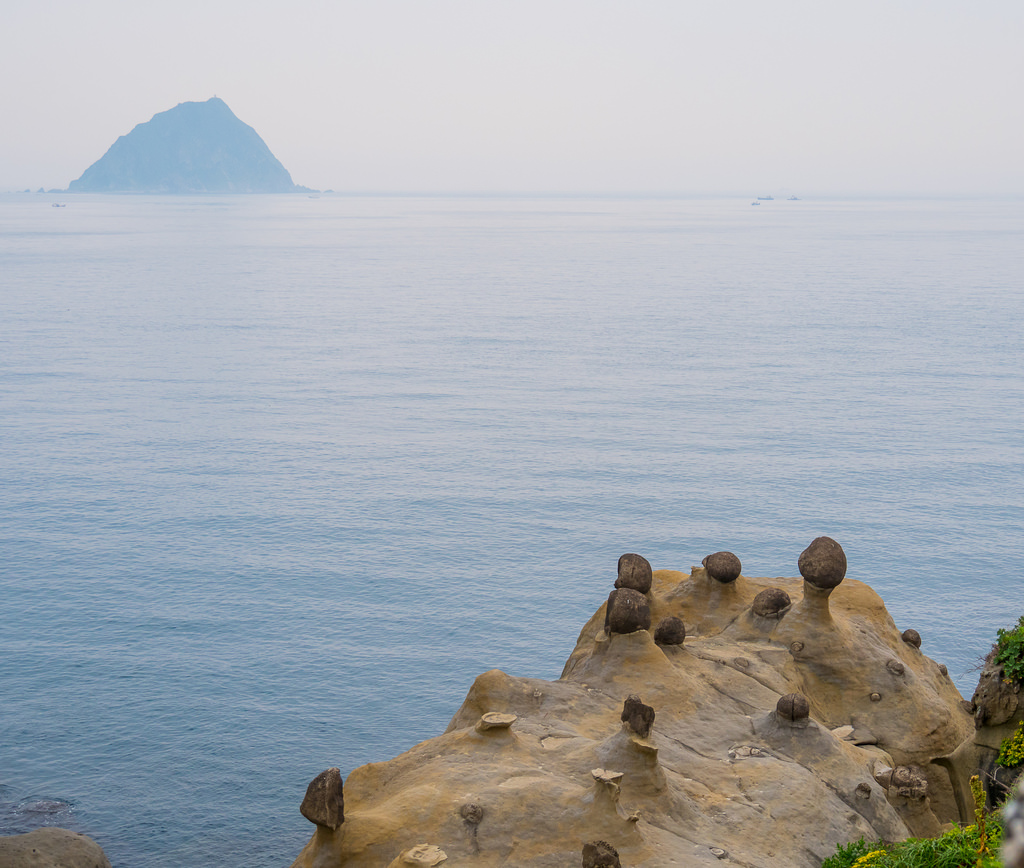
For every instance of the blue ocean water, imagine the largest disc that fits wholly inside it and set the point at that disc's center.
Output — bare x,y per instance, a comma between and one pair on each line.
280,476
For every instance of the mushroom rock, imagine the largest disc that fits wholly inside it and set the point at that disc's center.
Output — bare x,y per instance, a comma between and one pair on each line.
771,603
823,563
637,717
723,567
495,723
912,638
600,854
734,765
794,707
628,611
823,567
635,573
324,803
670,631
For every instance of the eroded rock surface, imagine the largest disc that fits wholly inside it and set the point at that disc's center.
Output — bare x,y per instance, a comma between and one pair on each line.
775,724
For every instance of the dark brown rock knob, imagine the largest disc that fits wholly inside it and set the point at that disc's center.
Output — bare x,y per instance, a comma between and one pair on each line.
628,611
823,563
723,567
912,637
637,716
793,706
670,631
634,572
472,814
600,854
771,603
325,802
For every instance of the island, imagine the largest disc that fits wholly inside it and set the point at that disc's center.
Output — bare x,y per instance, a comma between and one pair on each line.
195,147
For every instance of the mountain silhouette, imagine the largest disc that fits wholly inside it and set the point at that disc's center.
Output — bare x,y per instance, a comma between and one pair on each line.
195,147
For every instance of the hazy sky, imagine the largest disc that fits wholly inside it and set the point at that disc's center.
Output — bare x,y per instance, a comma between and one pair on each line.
662,96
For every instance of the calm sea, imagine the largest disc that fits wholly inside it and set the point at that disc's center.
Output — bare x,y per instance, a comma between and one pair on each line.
281,475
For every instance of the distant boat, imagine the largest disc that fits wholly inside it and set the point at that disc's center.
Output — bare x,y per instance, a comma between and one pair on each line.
793,199
755,203
57,204
766,198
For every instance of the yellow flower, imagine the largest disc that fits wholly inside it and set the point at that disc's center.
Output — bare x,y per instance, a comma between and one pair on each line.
868,857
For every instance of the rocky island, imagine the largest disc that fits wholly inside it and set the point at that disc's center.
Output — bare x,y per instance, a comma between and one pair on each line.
195,147
704,718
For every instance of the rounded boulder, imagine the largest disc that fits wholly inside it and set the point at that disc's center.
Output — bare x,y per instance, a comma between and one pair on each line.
723,567
634,573
823,563
628,611
670,631
771,603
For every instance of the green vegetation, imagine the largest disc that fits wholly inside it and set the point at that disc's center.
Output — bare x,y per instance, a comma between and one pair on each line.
1011,751
963,847
1010,651
957,848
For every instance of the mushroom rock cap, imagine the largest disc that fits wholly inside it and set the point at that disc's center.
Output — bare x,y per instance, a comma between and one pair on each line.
324,803
628,611
634,572
823,563
793,706
670,631
911,637
771,602
637,716
723,567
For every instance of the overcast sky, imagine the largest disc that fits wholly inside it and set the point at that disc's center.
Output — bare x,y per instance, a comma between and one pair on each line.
662,96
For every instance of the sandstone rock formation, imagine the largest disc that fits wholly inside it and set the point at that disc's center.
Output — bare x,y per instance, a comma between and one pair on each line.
51,848
998,709
794,717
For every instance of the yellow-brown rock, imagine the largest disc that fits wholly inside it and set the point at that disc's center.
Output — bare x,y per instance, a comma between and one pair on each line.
726,776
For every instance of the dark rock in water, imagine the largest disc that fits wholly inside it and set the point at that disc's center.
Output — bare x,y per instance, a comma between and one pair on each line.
634,572
823,563
670,631
600,854
771,603
324,803
628,611
723,567
51,848
637,716
195,147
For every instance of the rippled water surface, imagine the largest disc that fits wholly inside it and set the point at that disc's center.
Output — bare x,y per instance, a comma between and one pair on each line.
280,476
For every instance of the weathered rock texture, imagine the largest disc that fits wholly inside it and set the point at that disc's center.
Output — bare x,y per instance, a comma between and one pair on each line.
51,848
770,729
998,709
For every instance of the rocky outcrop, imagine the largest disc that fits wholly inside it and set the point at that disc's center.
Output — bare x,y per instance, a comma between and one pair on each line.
998,709
51,848
195,147
795,716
